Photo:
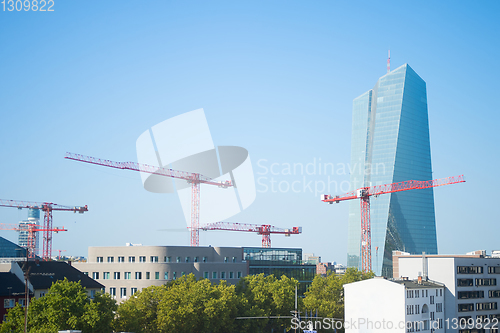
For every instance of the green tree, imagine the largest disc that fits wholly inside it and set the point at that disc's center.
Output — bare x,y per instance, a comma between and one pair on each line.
65,306
198,306
266,296
139,312
326,294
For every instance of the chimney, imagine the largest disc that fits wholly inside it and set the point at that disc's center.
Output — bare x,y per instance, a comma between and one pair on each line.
419,279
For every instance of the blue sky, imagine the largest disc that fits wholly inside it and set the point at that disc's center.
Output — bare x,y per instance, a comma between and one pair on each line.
275,77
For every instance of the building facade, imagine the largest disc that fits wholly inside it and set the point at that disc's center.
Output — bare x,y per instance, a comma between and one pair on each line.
390,143
381,305
472,290
280,261
124,270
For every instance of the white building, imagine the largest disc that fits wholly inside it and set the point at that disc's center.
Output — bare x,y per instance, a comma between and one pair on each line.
124,270
381,305
472,291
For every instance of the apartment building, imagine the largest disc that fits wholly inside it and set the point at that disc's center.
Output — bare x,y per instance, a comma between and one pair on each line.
472,292
402,305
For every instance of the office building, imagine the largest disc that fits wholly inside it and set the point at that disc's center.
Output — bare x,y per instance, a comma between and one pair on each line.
280,261
10,251
124,270
399,306
472,290
390,143
33,218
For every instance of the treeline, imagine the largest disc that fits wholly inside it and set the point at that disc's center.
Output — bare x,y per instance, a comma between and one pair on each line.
184,305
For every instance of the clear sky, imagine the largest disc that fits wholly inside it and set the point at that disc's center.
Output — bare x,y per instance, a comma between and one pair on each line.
275,77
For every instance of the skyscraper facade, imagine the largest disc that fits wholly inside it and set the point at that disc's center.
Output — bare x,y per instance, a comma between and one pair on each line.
390,143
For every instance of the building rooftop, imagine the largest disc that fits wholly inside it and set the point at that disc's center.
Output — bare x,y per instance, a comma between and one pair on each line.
44,273
10,285
416,284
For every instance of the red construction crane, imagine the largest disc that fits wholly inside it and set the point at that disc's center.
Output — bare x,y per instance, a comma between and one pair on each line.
32,230
47,229
264,229
59,257
364,194
194,178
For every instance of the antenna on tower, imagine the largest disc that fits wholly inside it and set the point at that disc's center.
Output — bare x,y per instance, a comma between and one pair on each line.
389,62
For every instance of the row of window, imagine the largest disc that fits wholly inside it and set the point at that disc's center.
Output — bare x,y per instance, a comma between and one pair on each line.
415,293
479,282
148,276
477,270
11,302
479,306
154,259
478,294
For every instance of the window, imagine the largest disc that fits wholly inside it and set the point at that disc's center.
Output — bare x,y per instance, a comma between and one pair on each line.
111,259
470,294
174,275
142,259
95,275
186,259
464,283
417,309
138,275
440,292
432,300
432,316
157,275
99,259
86,273
225,259
153,258
205,259
178,259
166,276
231,275
112,291
128,275
486,306
131,259
239,275
22,301
195,259
426,293
494,293
494,269
205,275
123,292
439,307
133,291
465,307
121,259
9,303
234,259
469,270
222,275
105,275
117,275
214,275
440,323
168,259
417,293
92,294
486,282
182,273
147,275
436,292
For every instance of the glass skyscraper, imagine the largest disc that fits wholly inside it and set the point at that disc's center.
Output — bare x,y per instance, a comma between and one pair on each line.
390,143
